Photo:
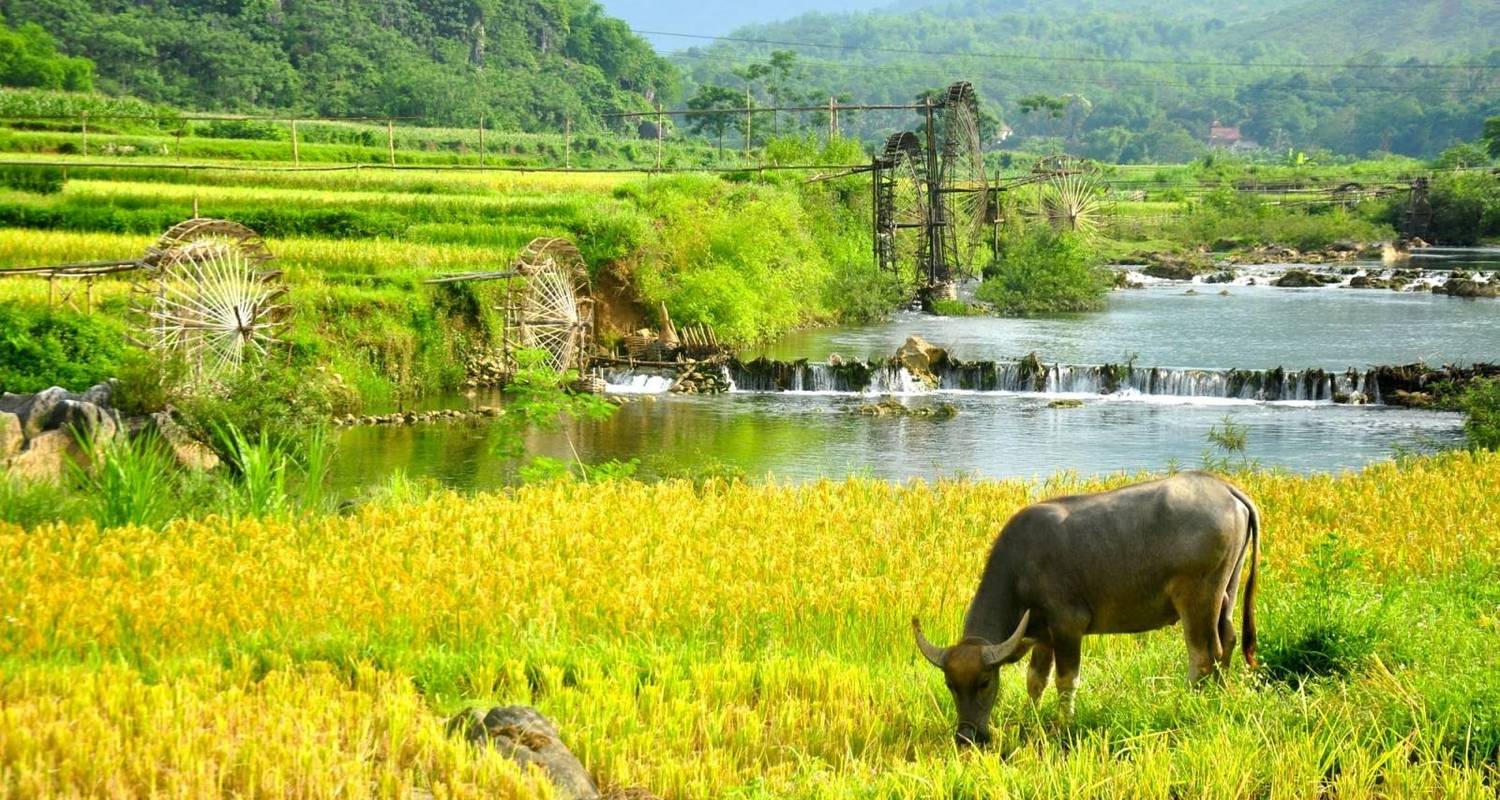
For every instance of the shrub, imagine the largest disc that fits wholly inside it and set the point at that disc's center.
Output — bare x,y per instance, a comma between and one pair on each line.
1042,271
41,347
1481,404
128,484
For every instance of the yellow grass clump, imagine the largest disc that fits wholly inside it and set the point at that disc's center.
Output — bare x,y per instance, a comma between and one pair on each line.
721,640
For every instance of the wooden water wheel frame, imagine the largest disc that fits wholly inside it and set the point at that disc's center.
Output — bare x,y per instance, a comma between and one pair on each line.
550,308
962,189
204,292
901,204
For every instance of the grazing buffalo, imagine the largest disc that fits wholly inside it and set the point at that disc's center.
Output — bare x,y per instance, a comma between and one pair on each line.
1134,559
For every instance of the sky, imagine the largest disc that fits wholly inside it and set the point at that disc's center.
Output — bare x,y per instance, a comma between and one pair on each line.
716,17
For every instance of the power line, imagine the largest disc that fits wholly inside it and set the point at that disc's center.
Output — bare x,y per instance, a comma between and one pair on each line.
1068,59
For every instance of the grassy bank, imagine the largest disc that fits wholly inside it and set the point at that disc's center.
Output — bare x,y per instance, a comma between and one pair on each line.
735,640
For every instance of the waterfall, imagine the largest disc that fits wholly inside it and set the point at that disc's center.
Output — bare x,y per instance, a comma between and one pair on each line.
1031,376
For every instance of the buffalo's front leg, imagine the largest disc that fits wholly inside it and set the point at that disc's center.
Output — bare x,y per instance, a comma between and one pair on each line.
1041,669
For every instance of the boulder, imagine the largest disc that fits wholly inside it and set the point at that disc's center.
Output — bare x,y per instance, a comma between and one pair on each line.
11,437
1465,287
186,451
921,357
59,409
1301,278
526,737
46,456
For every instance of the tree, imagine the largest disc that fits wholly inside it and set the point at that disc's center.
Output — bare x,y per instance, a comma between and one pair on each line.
1491,136
29,58
707,98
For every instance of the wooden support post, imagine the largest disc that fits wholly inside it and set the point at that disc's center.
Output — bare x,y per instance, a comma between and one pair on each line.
51,290
296,151
481,141
88,295
749,119
177,148
659,124
390,139
85,133
833,121
567,142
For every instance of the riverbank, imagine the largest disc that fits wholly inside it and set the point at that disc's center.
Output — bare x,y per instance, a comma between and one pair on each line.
701,640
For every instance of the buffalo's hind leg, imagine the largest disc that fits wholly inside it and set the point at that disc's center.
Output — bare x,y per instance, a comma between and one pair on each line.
1039,671
1200,630
1227,639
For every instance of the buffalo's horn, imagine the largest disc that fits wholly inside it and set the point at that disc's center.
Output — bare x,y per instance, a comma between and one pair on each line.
933,653
996,653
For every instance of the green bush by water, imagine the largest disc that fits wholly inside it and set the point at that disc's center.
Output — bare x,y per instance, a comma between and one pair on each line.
1041,271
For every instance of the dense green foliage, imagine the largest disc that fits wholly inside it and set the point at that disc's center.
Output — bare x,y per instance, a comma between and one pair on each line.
1466,208
755,260
1141,82
41,347
519,63
1040,271
1481,403
29,57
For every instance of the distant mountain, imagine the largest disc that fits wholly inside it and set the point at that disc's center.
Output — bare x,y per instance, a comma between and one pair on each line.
519,63
1141,80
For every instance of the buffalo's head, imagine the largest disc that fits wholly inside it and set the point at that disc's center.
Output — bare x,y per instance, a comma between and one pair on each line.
971,669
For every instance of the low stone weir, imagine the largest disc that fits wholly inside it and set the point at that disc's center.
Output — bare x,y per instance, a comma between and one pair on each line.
1032,376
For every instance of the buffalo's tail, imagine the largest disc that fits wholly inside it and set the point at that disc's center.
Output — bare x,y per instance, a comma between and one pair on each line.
1247,621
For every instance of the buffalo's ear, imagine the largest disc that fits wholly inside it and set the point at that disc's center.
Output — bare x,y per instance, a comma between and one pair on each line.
995,654
932,652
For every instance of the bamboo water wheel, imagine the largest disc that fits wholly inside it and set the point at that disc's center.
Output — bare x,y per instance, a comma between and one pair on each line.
901,205
962,189
549,307
204,292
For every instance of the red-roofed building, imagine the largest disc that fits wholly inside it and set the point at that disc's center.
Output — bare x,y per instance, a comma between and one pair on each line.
1221,135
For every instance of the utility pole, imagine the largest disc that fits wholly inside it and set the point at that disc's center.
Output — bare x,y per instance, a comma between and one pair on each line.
85,133
390,139
660,123
296,152
567,142
481,141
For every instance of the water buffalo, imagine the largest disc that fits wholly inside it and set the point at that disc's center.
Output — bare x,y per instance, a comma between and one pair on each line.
1134,559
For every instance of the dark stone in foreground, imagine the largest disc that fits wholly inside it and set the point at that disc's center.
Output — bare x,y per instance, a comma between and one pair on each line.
527,737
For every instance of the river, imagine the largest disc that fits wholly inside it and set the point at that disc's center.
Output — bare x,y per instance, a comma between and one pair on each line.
808,435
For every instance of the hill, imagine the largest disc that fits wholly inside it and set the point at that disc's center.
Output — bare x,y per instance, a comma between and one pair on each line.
1139,81
520,63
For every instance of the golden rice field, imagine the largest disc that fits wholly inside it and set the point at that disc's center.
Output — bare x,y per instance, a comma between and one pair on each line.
728,640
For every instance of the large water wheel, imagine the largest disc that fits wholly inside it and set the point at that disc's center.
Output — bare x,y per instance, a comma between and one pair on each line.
549,308
204,293
962,189
901,205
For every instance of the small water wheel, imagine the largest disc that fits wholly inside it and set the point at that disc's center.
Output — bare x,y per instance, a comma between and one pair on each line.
549,308
204,292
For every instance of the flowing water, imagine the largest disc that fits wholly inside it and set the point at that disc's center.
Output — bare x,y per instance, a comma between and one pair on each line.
1184,362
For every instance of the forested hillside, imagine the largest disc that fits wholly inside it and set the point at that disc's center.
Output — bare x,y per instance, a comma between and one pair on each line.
1139,81
521,63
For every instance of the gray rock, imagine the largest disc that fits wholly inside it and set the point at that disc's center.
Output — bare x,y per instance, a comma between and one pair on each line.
11,437
187,451
527,737
34,409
